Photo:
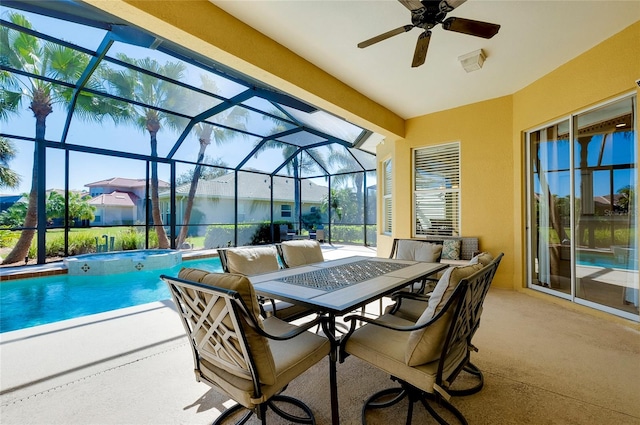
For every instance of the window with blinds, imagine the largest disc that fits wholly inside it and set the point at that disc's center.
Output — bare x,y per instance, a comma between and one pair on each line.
387,212
437,190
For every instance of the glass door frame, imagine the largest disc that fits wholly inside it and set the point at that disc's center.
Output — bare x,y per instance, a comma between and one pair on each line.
529,249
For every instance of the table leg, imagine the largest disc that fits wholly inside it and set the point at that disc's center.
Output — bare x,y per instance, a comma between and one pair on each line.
330,330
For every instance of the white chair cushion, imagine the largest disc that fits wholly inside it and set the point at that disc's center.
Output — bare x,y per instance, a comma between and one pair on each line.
483,258
250,261
425,345
418,251
299,253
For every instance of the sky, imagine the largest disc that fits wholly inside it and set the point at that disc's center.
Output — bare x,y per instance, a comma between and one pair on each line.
85,168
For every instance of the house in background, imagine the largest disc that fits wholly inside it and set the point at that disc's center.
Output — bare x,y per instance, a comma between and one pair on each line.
119,201
214,199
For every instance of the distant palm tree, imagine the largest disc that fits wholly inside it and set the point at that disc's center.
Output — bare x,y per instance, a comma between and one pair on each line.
346,177
155,92
8,177
294,166
40,59
234,117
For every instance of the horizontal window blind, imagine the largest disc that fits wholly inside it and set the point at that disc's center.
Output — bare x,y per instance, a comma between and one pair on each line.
437,190
438,167
387,211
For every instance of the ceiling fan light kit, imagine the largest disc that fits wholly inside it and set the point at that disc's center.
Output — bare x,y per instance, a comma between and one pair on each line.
426,14
472,61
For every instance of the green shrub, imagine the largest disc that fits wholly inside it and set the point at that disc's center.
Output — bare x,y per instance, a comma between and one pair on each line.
346,233
222,235
81,243
8,238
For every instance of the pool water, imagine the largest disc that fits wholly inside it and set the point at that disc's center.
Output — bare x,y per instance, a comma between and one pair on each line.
605,260
36,301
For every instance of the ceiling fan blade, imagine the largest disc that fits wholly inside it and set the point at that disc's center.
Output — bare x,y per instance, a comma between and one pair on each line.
384,36
471,27
448,5
422,46
411,4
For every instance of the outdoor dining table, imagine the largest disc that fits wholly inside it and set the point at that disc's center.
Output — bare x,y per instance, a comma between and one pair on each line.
334,288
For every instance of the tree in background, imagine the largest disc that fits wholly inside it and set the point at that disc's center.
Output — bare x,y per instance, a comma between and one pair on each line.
8,177
79,207
52,61
235,117
151,95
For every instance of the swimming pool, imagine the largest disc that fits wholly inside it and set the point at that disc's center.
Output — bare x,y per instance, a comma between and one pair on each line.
36,301
605,260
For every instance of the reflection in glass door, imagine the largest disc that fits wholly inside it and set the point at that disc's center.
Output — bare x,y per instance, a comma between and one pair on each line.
583,224
550,207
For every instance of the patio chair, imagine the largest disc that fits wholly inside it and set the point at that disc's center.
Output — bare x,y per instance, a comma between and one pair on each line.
417,250
424,357
412,306
234,351
254,260
299,253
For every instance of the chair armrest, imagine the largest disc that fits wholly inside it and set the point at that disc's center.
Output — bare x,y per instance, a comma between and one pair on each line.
399,296
355,318
411,295
251,321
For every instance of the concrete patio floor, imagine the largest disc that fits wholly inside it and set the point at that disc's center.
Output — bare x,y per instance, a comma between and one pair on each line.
543,363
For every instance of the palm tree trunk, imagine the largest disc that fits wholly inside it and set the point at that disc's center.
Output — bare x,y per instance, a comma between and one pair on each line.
296,194
192,194
359,181
21,249
163,240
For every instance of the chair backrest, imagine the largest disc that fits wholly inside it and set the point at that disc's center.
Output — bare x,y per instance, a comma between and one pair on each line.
416,250
249,260
219,312
468,299
299,253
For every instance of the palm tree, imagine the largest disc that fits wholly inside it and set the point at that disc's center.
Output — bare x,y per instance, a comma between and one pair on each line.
40,59
293,166
346,177
235,117
8,177
153,93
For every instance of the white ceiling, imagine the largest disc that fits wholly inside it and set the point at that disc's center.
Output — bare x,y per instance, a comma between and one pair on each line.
535,38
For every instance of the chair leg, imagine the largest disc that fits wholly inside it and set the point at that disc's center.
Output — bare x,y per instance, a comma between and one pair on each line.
473,370
308,419
444,403
261,412
223,417
414,395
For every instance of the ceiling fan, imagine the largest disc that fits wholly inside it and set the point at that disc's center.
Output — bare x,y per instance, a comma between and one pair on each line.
426,14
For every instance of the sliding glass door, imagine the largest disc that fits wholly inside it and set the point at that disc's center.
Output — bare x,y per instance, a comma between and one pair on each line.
582,208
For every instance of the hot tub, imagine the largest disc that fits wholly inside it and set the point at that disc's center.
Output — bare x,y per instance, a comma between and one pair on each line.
122,262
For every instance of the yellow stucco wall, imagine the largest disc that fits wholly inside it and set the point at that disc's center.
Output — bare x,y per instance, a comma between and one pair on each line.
485,135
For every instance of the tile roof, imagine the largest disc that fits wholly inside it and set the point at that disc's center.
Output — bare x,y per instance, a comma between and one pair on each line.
119,199
253,186
124,182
